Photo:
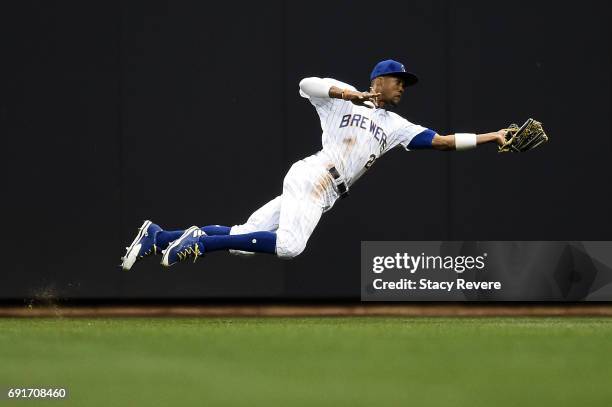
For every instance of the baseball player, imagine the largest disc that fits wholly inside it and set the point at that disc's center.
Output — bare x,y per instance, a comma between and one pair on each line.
358,128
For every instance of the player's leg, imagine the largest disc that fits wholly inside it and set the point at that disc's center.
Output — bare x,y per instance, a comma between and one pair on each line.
263,219
193,243
165,237
248,238
152,239
300,211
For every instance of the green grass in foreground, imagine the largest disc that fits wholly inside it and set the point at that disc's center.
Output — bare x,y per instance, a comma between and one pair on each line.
312,361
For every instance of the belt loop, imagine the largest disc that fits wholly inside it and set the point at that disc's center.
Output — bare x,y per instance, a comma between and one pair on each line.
342,188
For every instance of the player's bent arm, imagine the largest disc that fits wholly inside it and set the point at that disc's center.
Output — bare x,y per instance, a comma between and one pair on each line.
320,88
346,94
464,141
315,87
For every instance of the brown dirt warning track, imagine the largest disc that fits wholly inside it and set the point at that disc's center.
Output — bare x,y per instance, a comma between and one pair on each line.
315,310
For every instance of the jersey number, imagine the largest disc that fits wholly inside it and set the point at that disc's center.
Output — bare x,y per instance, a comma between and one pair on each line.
370,161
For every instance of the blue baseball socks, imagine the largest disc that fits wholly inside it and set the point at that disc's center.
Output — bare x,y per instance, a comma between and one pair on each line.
165,237
259,242
218,238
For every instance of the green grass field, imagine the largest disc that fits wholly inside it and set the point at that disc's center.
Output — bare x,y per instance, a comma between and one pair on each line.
312,361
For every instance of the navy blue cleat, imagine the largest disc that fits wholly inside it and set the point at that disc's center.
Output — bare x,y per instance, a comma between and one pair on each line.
142,246
184,247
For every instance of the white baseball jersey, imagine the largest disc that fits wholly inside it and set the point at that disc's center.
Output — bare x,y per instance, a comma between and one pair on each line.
355,136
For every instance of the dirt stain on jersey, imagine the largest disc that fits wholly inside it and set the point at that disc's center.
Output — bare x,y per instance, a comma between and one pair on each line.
320,185
349,142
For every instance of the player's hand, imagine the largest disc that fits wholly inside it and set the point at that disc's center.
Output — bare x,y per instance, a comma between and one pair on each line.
500,137
359,98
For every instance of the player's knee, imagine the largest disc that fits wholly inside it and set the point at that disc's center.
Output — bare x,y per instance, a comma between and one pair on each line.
289,252
288,246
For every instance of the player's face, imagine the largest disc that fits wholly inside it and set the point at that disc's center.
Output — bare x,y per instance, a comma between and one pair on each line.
392,90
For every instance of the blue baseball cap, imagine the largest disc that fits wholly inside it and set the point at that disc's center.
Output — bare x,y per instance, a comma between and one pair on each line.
390,67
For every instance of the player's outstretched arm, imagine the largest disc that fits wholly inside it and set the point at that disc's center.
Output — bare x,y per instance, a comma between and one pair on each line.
465,141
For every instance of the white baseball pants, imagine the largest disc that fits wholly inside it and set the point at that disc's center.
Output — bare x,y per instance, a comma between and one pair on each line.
308,192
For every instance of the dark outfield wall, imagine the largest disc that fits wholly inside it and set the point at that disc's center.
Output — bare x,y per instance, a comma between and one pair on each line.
187,112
